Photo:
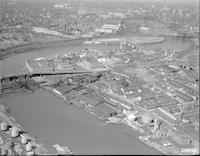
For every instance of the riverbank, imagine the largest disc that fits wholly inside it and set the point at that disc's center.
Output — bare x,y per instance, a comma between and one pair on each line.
37,45
15,140
7,52
55,122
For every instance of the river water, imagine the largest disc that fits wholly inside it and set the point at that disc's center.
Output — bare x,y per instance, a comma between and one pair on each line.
52,121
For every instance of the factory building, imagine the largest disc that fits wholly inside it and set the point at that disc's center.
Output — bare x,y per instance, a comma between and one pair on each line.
103,30
85,99
179,137
103,110
114,27
90,64
165,116
108,28
147,118
191,132
144,29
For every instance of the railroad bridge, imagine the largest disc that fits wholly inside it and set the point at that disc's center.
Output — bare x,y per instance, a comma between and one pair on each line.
25,79
39,74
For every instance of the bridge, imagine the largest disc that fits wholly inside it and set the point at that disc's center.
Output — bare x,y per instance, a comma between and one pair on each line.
24,80
39,74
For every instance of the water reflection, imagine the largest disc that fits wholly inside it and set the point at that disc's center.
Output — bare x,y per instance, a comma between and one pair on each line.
52,121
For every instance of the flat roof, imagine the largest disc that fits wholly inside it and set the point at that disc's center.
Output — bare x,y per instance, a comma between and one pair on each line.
86,99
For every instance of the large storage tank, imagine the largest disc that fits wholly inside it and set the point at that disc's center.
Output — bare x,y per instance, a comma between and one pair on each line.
24,139
147,118
131,117
4,126
14,132
29,147
30,153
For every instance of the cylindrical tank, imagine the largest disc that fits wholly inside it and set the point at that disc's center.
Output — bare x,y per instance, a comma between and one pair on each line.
131,117
138,98
18,149
146,118
14,132
4,126
30,153
24,139
3,151
29,147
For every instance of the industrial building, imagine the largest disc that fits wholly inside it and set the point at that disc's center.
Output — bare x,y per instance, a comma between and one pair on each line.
109,28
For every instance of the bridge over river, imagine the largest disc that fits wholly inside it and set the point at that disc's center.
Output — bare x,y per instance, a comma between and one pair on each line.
24,80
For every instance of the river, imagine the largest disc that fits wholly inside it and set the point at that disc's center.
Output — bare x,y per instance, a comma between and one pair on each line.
52,121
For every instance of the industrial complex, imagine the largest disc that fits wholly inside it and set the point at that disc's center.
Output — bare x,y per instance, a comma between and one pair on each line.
120,74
